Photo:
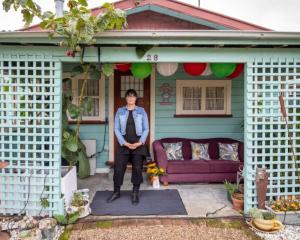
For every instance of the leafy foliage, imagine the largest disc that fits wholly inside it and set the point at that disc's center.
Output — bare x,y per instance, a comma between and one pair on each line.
231,188
78,200
73,150
77,26
69,218
29,9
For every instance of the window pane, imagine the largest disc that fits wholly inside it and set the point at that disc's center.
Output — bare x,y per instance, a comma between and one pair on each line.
215,98
191,98
128,82
92,91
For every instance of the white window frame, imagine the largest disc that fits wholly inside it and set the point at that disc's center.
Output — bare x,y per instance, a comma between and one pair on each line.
203,84
75,81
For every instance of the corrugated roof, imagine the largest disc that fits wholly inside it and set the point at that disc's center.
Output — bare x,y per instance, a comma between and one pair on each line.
180,8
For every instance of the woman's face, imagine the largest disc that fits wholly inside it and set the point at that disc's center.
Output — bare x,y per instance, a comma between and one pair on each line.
131,99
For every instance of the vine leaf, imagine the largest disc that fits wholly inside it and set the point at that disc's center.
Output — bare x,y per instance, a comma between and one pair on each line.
142,50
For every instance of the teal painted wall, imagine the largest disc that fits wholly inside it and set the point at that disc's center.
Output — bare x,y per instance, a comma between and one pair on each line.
166,125
95,131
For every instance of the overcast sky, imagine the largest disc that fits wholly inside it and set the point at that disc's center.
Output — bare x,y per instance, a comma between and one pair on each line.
274,14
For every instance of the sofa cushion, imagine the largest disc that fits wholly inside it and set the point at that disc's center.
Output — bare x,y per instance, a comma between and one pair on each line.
213,148
186,148
200,151
188,166
229,151
224,166
173,150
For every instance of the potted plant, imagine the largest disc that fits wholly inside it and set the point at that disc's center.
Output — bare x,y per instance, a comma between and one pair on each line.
154,172
235,195
231,188
80,203
238,201
286,210
264,220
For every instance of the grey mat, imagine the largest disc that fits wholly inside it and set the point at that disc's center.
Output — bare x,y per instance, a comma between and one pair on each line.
152,202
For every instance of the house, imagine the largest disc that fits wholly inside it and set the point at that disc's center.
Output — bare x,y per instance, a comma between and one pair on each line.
180,33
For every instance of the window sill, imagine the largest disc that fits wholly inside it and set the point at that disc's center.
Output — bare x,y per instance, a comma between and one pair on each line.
72,122
203,115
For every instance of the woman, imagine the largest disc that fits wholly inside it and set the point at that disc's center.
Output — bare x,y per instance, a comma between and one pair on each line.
131,129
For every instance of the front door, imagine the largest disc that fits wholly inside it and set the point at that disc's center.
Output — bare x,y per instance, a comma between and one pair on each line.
124,81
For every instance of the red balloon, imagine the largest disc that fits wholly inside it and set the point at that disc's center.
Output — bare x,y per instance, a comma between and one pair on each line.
194,69
123,67
238,70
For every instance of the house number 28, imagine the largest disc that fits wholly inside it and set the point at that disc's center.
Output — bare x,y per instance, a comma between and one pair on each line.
153,57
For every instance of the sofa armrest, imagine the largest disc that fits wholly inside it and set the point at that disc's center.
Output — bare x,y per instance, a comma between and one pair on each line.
241,152
160,156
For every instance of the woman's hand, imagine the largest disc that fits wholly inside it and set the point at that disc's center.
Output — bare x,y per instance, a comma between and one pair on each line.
137,144
129,145
133,145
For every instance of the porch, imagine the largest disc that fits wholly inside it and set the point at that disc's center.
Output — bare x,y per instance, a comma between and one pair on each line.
199,199
271,68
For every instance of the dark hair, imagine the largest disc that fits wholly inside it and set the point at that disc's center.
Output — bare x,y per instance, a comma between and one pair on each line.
131,91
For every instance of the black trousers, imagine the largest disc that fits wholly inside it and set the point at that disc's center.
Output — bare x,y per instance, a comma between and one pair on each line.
120,168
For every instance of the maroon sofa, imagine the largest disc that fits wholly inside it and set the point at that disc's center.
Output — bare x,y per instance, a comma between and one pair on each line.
187,170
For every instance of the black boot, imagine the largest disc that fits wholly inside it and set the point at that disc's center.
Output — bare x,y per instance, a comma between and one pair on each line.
116,194
135,194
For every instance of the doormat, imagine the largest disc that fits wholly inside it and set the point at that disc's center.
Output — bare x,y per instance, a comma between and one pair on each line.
152,202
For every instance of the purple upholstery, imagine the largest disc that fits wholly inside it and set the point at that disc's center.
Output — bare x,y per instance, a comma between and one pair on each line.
188,170
189,166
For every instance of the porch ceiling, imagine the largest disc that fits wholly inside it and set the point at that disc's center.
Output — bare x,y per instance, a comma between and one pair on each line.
220,38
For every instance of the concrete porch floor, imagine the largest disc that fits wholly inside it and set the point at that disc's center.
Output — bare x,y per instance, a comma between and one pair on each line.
199,198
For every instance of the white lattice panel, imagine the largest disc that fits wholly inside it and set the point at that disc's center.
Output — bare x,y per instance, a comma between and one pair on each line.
266,137
30,120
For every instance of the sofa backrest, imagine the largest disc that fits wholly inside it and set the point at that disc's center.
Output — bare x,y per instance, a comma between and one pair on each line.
213,146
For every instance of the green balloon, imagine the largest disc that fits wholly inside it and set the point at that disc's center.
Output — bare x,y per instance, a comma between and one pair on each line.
141,70
222,69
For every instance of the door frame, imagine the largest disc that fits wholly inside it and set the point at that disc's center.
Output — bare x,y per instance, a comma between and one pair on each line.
111,117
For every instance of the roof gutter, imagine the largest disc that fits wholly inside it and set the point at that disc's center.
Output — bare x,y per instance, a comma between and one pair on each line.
168,36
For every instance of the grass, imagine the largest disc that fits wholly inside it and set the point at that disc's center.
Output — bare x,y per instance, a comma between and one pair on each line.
237,224
104,224
226,223
67,233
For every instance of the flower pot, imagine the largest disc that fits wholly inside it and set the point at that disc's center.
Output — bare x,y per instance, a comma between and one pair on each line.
156,183
150,179
289,217
83,210
237,201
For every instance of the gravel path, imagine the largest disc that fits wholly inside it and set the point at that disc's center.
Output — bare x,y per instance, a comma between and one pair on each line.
187,231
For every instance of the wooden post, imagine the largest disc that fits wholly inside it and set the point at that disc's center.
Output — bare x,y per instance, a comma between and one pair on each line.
261,186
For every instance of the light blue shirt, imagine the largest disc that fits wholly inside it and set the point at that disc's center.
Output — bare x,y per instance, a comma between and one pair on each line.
140,119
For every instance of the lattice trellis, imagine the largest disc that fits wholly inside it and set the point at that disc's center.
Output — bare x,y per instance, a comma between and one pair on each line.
30,135
266,138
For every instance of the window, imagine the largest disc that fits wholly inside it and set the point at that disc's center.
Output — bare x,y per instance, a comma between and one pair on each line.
95,89
128,82
203,97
